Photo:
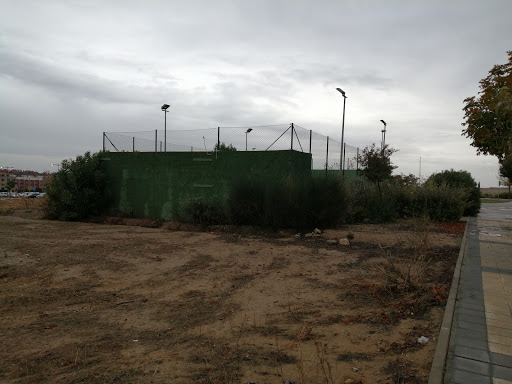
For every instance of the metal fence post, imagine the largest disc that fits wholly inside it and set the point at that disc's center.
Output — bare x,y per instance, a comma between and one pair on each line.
103,141
156,140
327,156
291,145
218,138
133,143
357,162
310,139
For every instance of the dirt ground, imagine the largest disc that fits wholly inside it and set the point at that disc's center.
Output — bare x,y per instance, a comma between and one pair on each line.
117,302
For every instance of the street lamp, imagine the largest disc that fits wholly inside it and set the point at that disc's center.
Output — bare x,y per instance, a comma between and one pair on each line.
164,109
383,134
342,157
246,132
58,166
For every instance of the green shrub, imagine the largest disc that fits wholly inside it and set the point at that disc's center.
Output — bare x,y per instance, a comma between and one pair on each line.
327,202
367,203
504,195
77,190
463,180
294,203
203,212
443,203
246,202
440,203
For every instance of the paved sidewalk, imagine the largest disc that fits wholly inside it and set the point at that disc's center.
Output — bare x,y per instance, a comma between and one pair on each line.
480,349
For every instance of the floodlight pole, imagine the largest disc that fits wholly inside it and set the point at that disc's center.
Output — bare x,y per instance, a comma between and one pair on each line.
164,109
246,132
383,135
342,130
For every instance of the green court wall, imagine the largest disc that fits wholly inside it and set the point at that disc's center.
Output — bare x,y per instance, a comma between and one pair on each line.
156,184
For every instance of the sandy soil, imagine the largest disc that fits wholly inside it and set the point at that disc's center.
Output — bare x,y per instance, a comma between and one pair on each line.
105,303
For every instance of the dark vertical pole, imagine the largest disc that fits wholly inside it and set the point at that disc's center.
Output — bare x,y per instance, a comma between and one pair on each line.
327,156
165,133
218,138
291,146
344,151
343,131
156,140
103,141
357,162
310,137
133,143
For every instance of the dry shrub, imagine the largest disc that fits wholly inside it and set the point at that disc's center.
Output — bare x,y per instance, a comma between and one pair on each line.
408,274
9,206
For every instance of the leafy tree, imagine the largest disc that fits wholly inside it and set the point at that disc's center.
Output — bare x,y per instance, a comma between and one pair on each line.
10,184
224,147
77,190
376,163
460,179
488,118
406,180
506,168
506,171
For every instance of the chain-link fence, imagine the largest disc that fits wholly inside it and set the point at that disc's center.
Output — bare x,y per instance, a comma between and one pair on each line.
325,151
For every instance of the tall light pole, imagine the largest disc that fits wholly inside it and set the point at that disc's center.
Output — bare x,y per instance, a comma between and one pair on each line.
246,132
383,134
164,109
342,130
58,166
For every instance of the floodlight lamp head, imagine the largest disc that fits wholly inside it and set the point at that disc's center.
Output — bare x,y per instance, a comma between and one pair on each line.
249,130
165,106
383,122
341,91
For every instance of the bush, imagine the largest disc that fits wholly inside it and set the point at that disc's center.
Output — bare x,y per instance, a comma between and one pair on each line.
327,200
441,203
464,181
77,190
246,202
203,212
502,195
293,203
367,203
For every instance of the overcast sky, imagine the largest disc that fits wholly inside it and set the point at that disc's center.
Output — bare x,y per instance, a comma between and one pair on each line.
71,69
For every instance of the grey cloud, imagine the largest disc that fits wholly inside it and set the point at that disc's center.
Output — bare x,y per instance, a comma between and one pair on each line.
332,74
409,63
67,82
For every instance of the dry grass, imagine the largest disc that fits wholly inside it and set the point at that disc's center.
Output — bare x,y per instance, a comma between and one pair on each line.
91,303
21,205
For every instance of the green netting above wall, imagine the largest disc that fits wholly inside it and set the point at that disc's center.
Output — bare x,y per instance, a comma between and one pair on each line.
147,184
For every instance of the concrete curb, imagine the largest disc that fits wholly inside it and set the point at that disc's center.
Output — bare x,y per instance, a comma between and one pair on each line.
439,361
